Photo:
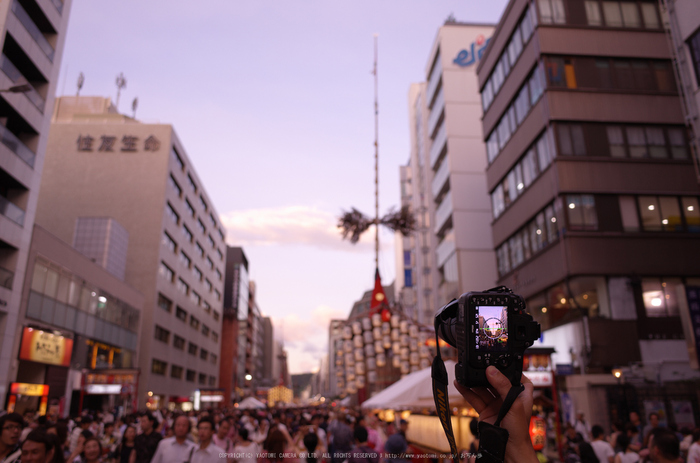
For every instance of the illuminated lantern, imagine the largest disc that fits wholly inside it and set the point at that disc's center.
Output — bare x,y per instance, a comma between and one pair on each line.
351,387
357,341
377,333
371,364
349,359
348,346
339,373
378,347
403,326
405,368
368,337
360,381
413,331
395,320
339,362
386,329
414,368
366,324
360,368
404,340
405,353
356,328
347,332
386,315
424,351
341,384
386,342
381,360
350,375
424,363
359,355
538,431
369,350
395,336
396,361
414,358
371,377
396,348
376,320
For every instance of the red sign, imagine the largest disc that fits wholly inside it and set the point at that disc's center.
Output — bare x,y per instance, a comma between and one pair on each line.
45,347
537,432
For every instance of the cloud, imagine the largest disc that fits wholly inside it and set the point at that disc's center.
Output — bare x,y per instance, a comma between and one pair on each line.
306,339
289,225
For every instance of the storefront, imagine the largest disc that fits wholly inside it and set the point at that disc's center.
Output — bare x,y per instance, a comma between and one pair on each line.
107,389
208,398
24,397
545,430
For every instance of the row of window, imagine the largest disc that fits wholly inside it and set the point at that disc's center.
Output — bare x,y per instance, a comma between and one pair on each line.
511,53
189,236
159,367
169,274
522,175
191,212
186,261
181,314
625,213
600,13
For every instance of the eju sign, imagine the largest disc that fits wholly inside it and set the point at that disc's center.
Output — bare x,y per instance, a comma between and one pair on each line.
467,57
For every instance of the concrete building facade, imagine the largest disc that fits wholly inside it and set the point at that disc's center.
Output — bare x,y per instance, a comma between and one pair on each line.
32,35
594,197
102,164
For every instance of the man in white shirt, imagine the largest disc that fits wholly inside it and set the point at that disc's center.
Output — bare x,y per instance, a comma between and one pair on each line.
207,452
176,449
603,450
582,427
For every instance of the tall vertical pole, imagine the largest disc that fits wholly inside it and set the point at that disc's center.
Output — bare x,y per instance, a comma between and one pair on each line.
376,159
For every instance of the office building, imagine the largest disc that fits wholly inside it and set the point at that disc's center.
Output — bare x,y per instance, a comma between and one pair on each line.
236,296
32,34
594,198
444,181
101,164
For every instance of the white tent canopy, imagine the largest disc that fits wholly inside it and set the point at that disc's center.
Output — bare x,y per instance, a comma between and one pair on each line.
415,391
250,402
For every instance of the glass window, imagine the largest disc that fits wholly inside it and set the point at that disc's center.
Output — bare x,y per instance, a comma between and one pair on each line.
527,251
665,80
630,14
181,314
190,375
650,16
659,296
536,85
505,65
556,75
168,242
624,77
519,185
643,78
497,201
628,212
195,298
203,354
612,14
526,26
551,223
185,260
192,349
197,273
616,141
178,342
692,213
694,46
174,217
515,47
174,186
552,11
201,226
165,303
581,212
159,367
677,141
191,183
637,142
176,372
176,158
649,212
492,146
657,143
670,214
503,132
194,322
166,272
182,286
530,170
522,104
543,155
210,264
593,17
161,334
512,182
203,203
187,233
603,73
515,244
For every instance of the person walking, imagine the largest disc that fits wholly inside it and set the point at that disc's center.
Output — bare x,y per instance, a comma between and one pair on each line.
207,452
147,442
177,448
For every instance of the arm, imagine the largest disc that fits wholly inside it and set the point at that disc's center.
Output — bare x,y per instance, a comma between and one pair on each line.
487,404
132,456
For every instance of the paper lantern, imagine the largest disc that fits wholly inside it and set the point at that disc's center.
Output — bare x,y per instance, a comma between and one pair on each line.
405,353
371,377
414,368
378,347
356,328
350,375
367,337
381,360
403,326
396,348
424,363
371,364
351,388
386,329
349,359
413,331
413,358
395,320
339,373
360,368
359,355
386,342
369,350
377,333
412,345
347,332
376,320
357,341
396,361
386,315
395,335
405,368
360,381
424,351
404,340
366,324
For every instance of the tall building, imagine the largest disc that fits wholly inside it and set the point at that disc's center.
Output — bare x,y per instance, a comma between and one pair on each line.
102,164
444,181
32,34
236,296
594,197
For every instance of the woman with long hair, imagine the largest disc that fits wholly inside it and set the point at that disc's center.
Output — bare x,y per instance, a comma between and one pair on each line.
126,450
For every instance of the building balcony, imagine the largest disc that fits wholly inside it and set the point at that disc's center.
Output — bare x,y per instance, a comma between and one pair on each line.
33,30
11,211
445,249
434,82
438,146
437,112
6,278
443,212
440,179
16,76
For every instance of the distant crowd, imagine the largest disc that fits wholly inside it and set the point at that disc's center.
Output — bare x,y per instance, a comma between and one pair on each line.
232,436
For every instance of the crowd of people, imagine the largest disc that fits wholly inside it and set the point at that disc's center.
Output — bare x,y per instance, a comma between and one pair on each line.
232,436
631,442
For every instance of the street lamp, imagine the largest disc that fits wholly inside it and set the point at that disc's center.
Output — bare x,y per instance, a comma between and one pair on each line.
248,377
22,88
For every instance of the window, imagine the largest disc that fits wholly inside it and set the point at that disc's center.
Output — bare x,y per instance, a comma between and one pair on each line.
193,186
165,303
650,16
166,272
218,274
660,213
201,227
192,349
177,159
692,213
694,47
174,186
197,273
220,254
159,367
172,215
190,375
530,169
212,220
215,336
581,212
612,13
571,141
200,249
205,330
181,314
593,17
560,72
190,209
552,11
208,285
168,242
162,334
212,381
665,80
628,212
203,203
211,241
207,308
217,294
221,235
522,104
616,141
637,142
202,379
656,142
194,322
678,145
213,358
660,296
196,298
187,233
185,260
536,83
210,263
176,372
178,342
182,286
630,14
203,354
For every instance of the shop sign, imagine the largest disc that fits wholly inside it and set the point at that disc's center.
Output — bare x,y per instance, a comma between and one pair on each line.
565,369
467,57
103,388
539,378
537,432
683,413
32,390
107,143
45,347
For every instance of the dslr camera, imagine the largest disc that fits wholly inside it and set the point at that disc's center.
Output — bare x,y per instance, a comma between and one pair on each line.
487,328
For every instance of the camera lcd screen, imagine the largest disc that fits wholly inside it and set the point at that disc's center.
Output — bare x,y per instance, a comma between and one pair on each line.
492,332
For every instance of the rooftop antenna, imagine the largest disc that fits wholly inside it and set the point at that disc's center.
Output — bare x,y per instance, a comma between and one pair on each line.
134,105
81,81
121,83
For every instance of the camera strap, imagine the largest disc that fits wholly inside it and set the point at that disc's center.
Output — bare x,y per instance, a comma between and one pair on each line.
492,438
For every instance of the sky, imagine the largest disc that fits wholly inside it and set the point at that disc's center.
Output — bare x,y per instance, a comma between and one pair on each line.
274,104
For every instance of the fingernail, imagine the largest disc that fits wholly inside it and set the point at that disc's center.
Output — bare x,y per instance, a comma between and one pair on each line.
492,371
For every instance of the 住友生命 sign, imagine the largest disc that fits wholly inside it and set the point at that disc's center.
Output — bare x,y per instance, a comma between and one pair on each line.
45,347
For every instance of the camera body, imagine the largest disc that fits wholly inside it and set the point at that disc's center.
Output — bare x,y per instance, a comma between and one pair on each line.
487,328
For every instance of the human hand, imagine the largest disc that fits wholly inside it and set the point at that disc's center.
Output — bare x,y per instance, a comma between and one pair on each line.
488,401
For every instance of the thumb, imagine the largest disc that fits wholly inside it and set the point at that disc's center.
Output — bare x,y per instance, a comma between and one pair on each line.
499,381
